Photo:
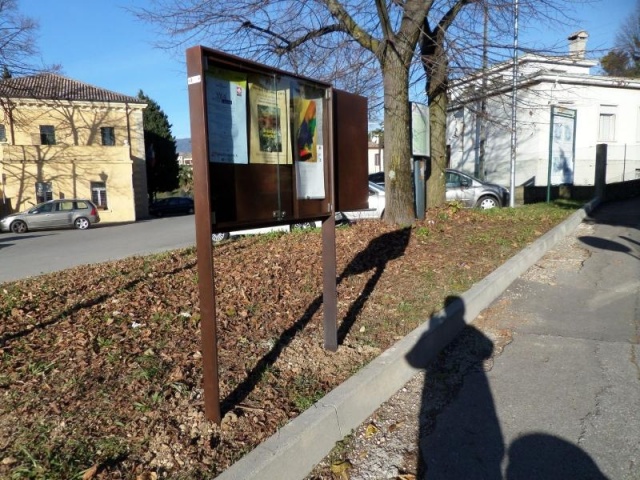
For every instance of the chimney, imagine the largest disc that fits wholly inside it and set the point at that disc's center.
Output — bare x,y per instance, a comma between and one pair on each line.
578,44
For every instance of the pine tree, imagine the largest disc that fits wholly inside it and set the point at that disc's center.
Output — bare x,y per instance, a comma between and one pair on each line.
160,146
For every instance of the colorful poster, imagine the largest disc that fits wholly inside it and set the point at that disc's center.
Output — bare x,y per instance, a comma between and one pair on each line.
227,116
309,147
270,141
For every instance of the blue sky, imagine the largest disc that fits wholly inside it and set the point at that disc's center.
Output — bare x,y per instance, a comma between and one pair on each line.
100,43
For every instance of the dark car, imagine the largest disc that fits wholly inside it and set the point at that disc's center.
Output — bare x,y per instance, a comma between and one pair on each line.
172,206
63,213
462,187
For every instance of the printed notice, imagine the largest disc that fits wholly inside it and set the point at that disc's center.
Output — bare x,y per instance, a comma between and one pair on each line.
227,116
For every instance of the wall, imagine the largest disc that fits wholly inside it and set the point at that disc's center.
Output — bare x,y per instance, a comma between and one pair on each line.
533,116
78,157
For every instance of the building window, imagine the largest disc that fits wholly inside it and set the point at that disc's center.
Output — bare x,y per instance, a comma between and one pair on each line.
99,194
3,133
376,159
108,135
607,124
44,192
47,135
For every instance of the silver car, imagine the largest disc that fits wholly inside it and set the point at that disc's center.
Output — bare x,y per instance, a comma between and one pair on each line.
473,192
64,213
462,187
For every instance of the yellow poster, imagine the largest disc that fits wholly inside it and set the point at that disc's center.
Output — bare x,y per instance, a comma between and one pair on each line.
270,140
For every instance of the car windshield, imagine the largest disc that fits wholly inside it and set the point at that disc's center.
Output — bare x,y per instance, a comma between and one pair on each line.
375,188
41,208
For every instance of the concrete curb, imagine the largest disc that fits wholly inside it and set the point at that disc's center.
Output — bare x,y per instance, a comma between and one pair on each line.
295,449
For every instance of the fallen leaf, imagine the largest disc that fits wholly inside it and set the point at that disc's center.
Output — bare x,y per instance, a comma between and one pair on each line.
147,476
90,473
341,467
370,431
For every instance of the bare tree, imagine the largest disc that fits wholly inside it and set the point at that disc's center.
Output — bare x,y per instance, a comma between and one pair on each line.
17,40
366,47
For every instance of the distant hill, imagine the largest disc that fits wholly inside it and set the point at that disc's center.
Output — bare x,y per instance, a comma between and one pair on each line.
183,145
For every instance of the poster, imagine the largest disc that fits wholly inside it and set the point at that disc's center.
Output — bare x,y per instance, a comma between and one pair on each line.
308,145
227,116
270,141
420,142
562,149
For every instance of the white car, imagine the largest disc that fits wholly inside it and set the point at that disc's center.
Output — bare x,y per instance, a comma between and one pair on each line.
376,205
375,210
218,237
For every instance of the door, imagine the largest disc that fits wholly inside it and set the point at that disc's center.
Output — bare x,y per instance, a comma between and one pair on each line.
63,215
458,188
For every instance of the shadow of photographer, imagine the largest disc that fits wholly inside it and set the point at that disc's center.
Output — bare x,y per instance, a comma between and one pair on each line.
460,434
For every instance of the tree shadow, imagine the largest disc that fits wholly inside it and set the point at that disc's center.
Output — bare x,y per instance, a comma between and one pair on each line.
6,338
538,455
460,436
605,244
380,251
374,257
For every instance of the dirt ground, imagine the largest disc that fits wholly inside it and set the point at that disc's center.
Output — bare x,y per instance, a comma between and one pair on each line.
101,367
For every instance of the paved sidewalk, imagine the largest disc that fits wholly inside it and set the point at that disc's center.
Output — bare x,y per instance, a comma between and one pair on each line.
545,383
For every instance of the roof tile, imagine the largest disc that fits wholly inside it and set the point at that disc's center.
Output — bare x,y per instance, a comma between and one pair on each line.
50,86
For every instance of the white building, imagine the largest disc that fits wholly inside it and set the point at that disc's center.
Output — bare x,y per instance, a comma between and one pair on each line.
607,111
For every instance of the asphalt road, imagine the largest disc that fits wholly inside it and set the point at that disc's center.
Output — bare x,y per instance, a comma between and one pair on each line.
35,253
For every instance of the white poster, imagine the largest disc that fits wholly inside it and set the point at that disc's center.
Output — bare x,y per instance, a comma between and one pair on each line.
420,145
561,165
227,116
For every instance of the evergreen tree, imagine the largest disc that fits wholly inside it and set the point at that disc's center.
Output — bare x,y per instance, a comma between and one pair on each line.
160,147
624,59
6,74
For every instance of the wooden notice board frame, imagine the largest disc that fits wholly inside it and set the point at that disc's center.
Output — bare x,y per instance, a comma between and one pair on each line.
257,163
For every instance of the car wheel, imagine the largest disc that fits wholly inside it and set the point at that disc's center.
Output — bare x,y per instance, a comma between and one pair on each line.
19,227
81,223
218,237
302,225
487,202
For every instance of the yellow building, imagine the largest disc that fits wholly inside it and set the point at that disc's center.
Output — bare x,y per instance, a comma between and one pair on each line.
60,138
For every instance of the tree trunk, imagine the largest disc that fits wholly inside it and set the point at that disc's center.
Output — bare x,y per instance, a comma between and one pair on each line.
399,200
438,138
436,65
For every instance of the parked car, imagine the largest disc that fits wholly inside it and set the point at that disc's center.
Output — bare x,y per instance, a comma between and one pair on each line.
64,213
218,237
376,204
462,187
172,206
472,192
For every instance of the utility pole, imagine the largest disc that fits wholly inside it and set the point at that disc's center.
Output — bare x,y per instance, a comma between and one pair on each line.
481,174
514,97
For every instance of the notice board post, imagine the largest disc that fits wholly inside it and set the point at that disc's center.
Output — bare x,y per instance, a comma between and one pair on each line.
263,155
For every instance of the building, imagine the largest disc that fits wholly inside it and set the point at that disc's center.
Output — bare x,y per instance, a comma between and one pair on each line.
606,110
60,138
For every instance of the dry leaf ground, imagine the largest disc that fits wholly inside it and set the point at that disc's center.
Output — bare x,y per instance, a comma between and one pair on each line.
101,367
